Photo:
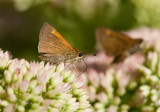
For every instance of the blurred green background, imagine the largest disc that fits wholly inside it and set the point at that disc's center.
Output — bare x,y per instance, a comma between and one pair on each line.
76,20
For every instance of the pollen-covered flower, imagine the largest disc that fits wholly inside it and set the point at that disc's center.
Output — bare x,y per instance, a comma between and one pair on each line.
36,87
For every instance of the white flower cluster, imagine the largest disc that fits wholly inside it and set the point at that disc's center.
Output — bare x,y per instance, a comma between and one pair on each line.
36,87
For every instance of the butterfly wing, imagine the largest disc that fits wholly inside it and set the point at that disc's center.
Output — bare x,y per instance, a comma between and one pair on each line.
117,44
50,41
111,42
53,45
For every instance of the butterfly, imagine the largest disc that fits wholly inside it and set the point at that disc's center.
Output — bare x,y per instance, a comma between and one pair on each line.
117,44
54,48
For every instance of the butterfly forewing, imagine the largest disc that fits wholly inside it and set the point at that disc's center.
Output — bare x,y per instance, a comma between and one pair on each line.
116,44
50,41
112,44
54,47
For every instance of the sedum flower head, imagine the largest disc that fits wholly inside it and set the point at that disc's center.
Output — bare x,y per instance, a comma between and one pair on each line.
110,91
34,87
149,88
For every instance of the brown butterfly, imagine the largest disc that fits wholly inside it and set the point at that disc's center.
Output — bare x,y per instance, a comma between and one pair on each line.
54,48
117,44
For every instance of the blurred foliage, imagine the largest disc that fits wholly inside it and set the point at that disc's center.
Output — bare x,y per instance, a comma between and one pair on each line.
76,20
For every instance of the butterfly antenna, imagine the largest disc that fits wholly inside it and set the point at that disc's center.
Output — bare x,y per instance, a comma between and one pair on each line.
85,68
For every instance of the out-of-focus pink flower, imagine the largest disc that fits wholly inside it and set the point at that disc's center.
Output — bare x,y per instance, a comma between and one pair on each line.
149,35
93,77
130,64
102,97
9,108
112,109
100,62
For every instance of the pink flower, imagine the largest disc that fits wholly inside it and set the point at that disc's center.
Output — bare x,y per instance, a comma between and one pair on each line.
93,77
102,97
149,35
9,108
23,86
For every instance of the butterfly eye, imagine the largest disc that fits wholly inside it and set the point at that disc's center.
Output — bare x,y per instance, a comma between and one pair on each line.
80,54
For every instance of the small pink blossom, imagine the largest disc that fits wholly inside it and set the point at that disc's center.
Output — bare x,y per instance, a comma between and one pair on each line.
9,108
93,77
46,102
102,97
38,89
24,86
78,82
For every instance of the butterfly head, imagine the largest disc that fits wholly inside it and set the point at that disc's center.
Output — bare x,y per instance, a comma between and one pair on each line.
136,47
80,54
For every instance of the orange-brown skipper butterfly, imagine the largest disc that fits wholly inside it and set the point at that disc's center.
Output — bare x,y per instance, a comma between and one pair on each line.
117,44
54,48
